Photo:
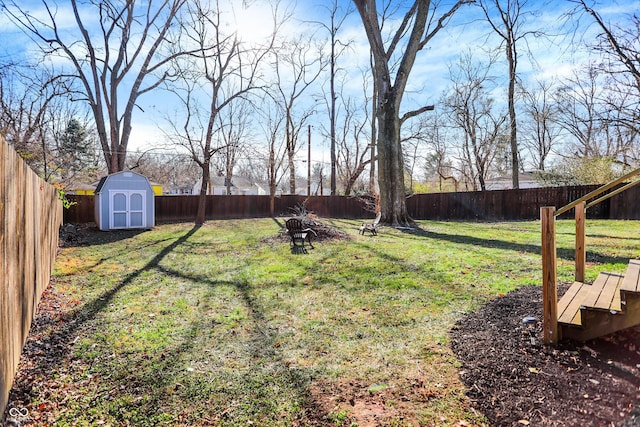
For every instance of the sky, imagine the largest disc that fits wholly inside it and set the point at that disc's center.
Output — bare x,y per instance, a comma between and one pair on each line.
554,57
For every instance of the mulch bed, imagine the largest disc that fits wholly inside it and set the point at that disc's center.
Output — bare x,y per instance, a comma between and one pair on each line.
514,382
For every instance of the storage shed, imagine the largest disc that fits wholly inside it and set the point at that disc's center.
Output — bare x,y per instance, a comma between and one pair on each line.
124,200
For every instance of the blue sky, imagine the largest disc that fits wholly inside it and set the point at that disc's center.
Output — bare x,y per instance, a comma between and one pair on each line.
466,31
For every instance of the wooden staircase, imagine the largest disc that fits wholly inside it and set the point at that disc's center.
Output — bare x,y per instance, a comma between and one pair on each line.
608,305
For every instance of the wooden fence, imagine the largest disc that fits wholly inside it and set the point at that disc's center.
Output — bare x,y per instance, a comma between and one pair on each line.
514,205
502,205
183,208
31,215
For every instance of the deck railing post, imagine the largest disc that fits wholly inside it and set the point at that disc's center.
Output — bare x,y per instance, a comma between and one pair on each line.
581,250
549,279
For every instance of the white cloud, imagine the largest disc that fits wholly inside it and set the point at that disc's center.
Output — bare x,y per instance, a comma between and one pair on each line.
145,134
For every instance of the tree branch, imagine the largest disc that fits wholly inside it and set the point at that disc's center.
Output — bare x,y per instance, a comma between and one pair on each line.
417,112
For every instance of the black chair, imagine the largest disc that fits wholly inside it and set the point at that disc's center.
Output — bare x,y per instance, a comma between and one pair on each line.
299,234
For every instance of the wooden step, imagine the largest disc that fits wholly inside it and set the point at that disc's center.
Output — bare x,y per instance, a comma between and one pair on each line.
609,296
608,305
631,282
603,294
569,305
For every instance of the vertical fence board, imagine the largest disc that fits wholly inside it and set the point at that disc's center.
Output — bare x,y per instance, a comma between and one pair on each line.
31,216
10,321
4,279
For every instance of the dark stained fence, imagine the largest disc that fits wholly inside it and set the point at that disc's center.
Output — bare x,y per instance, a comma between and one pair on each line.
501,205
625,205
183,208
510,205
31,215
82,210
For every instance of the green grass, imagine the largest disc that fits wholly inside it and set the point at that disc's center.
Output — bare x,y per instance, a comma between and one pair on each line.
223,325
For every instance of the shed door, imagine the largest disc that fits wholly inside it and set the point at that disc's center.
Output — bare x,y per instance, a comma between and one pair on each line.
127,209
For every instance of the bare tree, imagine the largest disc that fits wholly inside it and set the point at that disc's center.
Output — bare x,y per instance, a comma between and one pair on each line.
541,132
392,64
619,43
508,18
297,64
220,71
618,48
234,131
425,147
433,132
579,102
620,122
272,124
352,138
337,17
318,175
118,50
413,142
175,170
474,112
31,98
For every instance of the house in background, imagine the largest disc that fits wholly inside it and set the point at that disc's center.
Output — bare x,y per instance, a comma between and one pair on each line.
525,179
82,189
239,187
316,190
90,189
181,190
124,200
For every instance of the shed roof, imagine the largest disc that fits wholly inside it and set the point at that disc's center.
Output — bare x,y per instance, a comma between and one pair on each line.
104,179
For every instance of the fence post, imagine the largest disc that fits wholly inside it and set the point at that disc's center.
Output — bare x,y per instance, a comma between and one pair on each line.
549,279
581,250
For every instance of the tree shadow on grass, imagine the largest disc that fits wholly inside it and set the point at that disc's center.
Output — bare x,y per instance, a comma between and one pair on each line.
161,370
73,320
567,254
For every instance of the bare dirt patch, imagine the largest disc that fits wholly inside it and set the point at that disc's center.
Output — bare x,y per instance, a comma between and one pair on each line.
355,402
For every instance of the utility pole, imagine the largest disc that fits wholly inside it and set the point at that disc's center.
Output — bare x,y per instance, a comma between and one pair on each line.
333,108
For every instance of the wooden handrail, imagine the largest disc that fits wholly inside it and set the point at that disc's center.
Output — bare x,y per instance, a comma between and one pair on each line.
613,193
598,191
551,332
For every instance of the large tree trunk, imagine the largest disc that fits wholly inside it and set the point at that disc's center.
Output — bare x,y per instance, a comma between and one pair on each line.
390,90
391,166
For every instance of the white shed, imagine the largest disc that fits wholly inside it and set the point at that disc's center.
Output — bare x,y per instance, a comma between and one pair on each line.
124,200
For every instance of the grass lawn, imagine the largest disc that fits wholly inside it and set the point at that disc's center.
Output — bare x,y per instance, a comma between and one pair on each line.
223,325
